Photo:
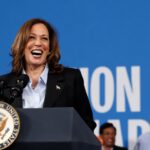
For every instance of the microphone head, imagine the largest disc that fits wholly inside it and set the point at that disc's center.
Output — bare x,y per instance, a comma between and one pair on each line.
2,84
22,80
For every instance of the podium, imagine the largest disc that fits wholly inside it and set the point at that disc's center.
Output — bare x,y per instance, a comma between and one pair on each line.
53,129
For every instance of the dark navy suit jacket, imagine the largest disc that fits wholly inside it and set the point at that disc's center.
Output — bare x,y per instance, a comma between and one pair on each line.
65,89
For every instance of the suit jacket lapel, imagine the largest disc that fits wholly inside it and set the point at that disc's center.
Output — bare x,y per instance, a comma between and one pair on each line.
55,86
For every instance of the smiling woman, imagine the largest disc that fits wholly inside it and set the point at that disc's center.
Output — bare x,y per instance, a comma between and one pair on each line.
37,45
36,53
36,37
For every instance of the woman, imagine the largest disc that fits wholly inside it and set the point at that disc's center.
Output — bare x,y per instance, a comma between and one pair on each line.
35,52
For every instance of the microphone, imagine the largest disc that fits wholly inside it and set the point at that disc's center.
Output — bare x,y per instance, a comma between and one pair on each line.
12,89
16,90
2,84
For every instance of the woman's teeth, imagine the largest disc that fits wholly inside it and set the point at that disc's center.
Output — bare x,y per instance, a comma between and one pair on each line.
36,53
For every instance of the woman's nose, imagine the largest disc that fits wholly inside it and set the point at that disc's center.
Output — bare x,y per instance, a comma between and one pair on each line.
38,42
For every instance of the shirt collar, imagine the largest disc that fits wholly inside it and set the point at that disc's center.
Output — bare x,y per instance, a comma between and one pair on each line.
43,76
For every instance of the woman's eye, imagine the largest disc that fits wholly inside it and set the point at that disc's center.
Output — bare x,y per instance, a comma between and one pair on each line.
31,37
45,38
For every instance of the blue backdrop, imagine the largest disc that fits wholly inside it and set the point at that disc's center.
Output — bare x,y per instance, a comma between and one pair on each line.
109,40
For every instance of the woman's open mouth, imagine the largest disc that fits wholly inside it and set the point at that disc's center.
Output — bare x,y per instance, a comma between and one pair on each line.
36,53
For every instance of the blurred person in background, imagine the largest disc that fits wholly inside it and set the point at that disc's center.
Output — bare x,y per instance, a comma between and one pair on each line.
143,142
107,137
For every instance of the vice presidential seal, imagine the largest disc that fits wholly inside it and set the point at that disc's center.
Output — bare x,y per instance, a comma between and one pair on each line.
9,125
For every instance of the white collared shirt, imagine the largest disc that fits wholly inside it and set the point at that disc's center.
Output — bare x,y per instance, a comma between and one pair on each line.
34,98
